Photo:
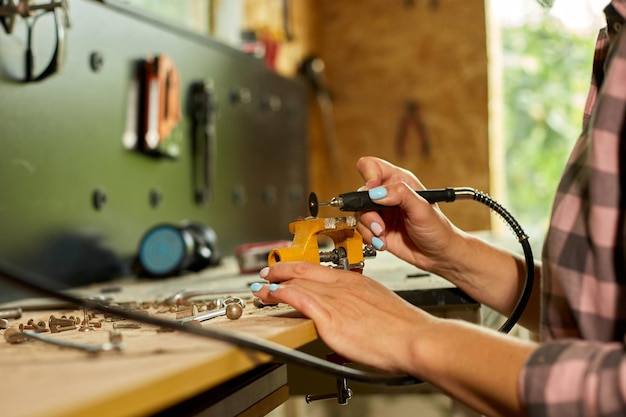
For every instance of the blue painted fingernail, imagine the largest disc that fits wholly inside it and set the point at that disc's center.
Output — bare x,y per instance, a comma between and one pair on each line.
378,243
273,287
376,228
256,286
377,193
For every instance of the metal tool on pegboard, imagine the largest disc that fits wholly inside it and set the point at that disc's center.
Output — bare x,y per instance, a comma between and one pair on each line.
315,69
32,13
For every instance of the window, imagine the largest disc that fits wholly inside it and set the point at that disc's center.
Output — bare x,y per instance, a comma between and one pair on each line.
545,60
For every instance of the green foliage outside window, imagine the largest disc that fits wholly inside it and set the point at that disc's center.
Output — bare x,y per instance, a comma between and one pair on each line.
547,71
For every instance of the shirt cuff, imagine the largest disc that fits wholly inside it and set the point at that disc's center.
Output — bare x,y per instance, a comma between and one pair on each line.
574,377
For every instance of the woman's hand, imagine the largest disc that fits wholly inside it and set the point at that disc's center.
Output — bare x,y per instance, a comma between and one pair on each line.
356,316
366,323
419,233
416,231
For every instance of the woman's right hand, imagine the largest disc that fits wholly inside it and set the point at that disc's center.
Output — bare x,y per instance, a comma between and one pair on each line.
416,231
419,233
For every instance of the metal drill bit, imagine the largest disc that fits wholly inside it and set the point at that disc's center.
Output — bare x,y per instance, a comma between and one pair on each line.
314,204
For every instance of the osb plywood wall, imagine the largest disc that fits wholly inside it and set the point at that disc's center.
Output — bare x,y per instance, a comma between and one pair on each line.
421,64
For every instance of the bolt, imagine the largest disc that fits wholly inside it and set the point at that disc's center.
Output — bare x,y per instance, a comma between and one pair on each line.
61,322
33,326
14,313
37,325
56,328
260,303
164,330
111,318
181,314
126,325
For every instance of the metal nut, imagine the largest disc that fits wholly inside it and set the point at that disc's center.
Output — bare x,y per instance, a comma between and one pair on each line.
13,335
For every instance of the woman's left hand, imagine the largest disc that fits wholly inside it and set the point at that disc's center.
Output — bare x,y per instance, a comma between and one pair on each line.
357,317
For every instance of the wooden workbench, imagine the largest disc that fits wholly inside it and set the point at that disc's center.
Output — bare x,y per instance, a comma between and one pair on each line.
156,370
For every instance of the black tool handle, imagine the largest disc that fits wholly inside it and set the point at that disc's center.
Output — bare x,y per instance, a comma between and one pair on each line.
203,112
361,201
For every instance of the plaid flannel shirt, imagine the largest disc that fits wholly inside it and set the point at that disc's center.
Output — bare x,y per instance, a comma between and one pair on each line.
580,367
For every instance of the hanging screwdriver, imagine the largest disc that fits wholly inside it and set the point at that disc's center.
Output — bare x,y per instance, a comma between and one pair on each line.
361,201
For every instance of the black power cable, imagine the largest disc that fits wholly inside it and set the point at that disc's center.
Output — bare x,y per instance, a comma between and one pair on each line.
42,285
523,240
361,201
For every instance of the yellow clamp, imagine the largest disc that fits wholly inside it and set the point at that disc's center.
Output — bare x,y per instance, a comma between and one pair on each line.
305,244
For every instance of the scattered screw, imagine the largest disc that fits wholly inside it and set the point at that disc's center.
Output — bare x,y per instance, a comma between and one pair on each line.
61,322
33,326
126,325
165,330
260,304
191,311
39,325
